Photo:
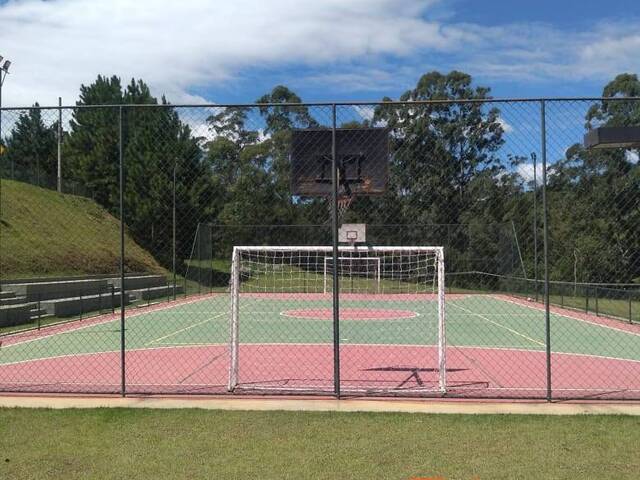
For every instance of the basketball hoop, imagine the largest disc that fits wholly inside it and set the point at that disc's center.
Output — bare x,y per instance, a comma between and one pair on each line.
344,202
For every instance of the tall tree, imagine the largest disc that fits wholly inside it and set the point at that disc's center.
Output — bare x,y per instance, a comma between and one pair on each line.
444,162
596,197
249,157
31,148
155,142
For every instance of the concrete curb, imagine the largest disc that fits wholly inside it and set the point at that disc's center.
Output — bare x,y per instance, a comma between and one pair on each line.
324,405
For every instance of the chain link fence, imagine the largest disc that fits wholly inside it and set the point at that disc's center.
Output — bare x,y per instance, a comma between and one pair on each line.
124,265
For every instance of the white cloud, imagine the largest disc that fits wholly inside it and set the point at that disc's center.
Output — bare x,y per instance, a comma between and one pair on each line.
57,45
506,127
632,156
356,45
525,170
543,52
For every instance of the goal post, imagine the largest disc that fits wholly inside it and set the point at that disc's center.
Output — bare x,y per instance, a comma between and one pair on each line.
301,273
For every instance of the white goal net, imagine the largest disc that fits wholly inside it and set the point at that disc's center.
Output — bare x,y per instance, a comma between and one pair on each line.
369,277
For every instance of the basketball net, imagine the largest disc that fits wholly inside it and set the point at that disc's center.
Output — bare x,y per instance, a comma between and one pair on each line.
344,202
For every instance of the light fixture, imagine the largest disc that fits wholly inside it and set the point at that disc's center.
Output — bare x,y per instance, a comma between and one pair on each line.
6,66
612,137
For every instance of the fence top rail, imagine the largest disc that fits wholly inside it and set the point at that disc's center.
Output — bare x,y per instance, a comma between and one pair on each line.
329,104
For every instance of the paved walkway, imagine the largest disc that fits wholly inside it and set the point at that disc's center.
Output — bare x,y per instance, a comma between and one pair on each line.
320,405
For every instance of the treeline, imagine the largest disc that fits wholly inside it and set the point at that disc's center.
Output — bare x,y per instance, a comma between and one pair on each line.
451,182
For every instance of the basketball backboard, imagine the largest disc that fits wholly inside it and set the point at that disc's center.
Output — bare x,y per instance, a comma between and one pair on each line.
352,233
362,155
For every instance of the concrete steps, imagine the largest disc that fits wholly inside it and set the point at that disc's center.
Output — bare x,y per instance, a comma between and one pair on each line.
156,292
13,300
23,301
16,314
66,307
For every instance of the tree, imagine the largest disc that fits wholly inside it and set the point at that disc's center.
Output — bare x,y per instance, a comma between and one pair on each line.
31,148
91,150
439,148
249,158
595,197
154,142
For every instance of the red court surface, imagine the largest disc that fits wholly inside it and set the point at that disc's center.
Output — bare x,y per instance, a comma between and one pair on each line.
405,370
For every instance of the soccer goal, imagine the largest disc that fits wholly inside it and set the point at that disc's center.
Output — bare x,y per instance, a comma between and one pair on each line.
374,281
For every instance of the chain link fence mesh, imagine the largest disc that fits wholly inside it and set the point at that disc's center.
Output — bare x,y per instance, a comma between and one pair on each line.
541,280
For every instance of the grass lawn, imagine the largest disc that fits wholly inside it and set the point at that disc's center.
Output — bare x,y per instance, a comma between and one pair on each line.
145,444
606,306
45,233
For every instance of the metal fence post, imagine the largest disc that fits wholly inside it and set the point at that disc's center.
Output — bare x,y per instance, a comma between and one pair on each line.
39,311
173,233
597,312
59,144
123,387
545,223
586,303
334,231
535,222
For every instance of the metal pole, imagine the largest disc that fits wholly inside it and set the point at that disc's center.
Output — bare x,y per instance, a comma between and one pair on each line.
2,147
123,386
2,76
515,236
175,166
59,144
535,221
334,225
586,303
545,219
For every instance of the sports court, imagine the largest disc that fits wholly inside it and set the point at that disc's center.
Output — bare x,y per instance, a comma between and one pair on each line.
388,344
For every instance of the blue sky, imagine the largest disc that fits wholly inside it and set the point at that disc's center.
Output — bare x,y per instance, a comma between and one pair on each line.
199,51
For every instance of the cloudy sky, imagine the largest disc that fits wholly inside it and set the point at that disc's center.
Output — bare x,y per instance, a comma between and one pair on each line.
234,51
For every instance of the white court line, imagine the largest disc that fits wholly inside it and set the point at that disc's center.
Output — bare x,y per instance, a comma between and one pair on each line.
515,332
541,309
327,344
94,321
284,314
185,328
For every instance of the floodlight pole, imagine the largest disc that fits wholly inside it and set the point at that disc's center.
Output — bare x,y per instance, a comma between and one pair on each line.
3,74
4,71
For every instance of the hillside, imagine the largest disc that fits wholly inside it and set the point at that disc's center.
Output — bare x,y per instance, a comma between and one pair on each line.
43,233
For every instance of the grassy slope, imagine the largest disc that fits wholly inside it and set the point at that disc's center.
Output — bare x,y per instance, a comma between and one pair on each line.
141,444
44,233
